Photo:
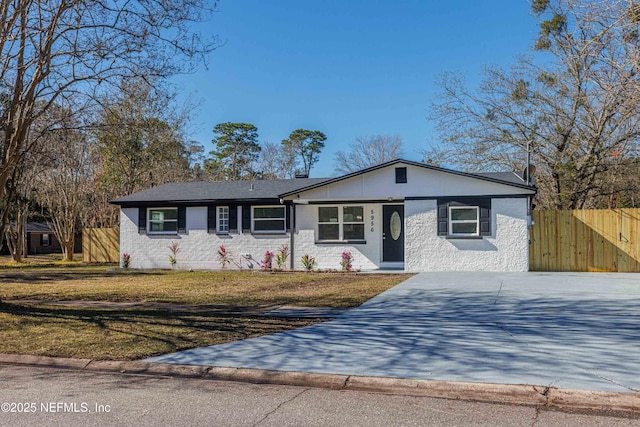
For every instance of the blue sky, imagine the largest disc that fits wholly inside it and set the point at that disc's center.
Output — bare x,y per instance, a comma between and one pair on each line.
347,68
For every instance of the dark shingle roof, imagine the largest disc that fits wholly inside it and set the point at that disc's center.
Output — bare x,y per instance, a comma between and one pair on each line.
38,227
272,190
511,177
217,191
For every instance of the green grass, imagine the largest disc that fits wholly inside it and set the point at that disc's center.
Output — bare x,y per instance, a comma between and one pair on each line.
218,307
96,283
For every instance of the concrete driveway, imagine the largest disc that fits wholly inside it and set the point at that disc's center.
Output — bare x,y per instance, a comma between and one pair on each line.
567,330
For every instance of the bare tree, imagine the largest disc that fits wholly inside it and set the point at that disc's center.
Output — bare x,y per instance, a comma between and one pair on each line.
53,50
20,199
577,106
276,161
368,151
63,184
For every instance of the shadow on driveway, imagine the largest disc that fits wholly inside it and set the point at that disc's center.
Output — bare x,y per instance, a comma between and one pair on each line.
571,330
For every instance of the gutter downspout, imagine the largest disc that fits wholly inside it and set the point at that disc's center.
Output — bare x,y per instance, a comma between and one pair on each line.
292,228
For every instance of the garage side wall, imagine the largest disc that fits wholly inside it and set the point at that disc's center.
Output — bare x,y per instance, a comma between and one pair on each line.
507,249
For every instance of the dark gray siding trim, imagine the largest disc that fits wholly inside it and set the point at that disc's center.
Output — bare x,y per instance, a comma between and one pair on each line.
489,196
353,202
219,202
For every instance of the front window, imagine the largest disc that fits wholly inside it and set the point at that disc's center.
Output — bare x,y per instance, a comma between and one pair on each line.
269,219
328,224
223,219
46,241
163,220
463,221
341,223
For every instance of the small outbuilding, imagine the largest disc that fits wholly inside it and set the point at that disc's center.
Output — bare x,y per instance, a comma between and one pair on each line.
397,215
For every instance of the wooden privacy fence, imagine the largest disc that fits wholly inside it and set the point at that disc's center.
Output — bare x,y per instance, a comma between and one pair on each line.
585,240
100,245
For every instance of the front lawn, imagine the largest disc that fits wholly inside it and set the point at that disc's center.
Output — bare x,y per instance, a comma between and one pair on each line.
96,283
214,307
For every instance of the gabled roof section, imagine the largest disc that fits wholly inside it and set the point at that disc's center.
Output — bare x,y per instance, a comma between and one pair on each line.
38,227
216,191
506,178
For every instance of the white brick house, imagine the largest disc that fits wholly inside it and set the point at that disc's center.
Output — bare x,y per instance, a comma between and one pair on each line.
399,214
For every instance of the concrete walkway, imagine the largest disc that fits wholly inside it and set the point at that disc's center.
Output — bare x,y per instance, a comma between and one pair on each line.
566,330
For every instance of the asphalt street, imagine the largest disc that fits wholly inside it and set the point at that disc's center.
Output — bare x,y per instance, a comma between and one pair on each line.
566,330
46,396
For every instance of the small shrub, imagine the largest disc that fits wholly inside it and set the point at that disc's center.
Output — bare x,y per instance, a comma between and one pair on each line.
173,258
347,259
265,264
308,262
224,257
126,260
281,256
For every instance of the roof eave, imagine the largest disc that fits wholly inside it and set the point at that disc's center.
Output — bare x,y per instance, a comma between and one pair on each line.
192,202
412,163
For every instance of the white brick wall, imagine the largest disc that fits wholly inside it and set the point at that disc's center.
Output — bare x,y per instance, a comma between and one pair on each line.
365,256
198,248
506,250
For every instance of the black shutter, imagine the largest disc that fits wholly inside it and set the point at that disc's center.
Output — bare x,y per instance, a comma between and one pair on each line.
182,220
246,218
142,220
443,217
485,217
233,218
211,219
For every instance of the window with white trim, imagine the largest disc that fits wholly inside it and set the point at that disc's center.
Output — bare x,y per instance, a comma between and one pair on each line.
223,219
46,240
162,220
340,223
464,221
268,219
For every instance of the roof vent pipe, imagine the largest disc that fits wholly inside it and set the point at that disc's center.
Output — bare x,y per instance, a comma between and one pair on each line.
301,175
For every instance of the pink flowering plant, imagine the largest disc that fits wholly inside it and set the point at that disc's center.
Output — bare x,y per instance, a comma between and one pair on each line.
265,264
224,256
126,260
173,258
281,256
346,262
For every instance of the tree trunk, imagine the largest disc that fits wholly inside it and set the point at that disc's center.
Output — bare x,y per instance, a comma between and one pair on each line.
67,250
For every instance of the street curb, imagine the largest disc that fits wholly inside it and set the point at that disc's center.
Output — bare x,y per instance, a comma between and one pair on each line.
479,392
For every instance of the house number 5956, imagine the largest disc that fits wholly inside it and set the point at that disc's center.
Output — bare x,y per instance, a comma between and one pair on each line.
372,220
